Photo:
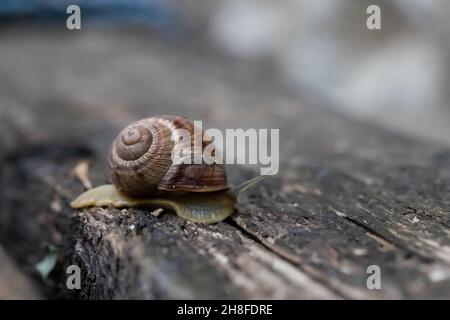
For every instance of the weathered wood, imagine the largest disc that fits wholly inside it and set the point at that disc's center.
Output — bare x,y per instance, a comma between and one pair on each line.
348,195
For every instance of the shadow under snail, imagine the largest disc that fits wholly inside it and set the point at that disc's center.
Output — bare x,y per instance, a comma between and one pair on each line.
143,174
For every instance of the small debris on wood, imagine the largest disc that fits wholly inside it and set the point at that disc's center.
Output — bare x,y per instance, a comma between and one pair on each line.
360,252
81,171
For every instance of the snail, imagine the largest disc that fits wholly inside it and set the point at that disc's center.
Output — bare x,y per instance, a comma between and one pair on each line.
143,174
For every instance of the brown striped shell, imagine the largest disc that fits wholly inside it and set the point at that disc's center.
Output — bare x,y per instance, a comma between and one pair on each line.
140,162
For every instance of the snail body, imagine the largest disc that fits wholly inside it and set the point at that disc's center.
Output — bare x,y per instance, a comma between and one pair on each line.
143,174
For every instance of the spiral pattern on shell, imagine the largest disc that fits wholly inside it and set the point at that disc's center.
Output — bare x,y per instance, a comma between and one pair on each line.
140,161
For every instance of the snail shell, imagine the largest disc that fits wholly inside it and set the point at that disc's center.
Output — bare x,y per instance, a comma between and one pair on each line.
140,160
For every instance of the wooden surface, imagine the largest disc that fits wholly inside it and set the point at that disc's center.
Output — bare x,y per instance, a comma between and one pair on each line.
14,284
348,195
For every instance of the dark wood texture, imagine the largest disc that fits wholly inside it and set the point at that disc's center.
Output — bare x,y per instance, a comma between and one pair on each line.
348,195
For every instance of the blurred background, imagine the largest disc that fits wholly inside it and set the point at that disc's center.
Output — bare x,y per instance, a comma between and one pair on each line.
320,51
